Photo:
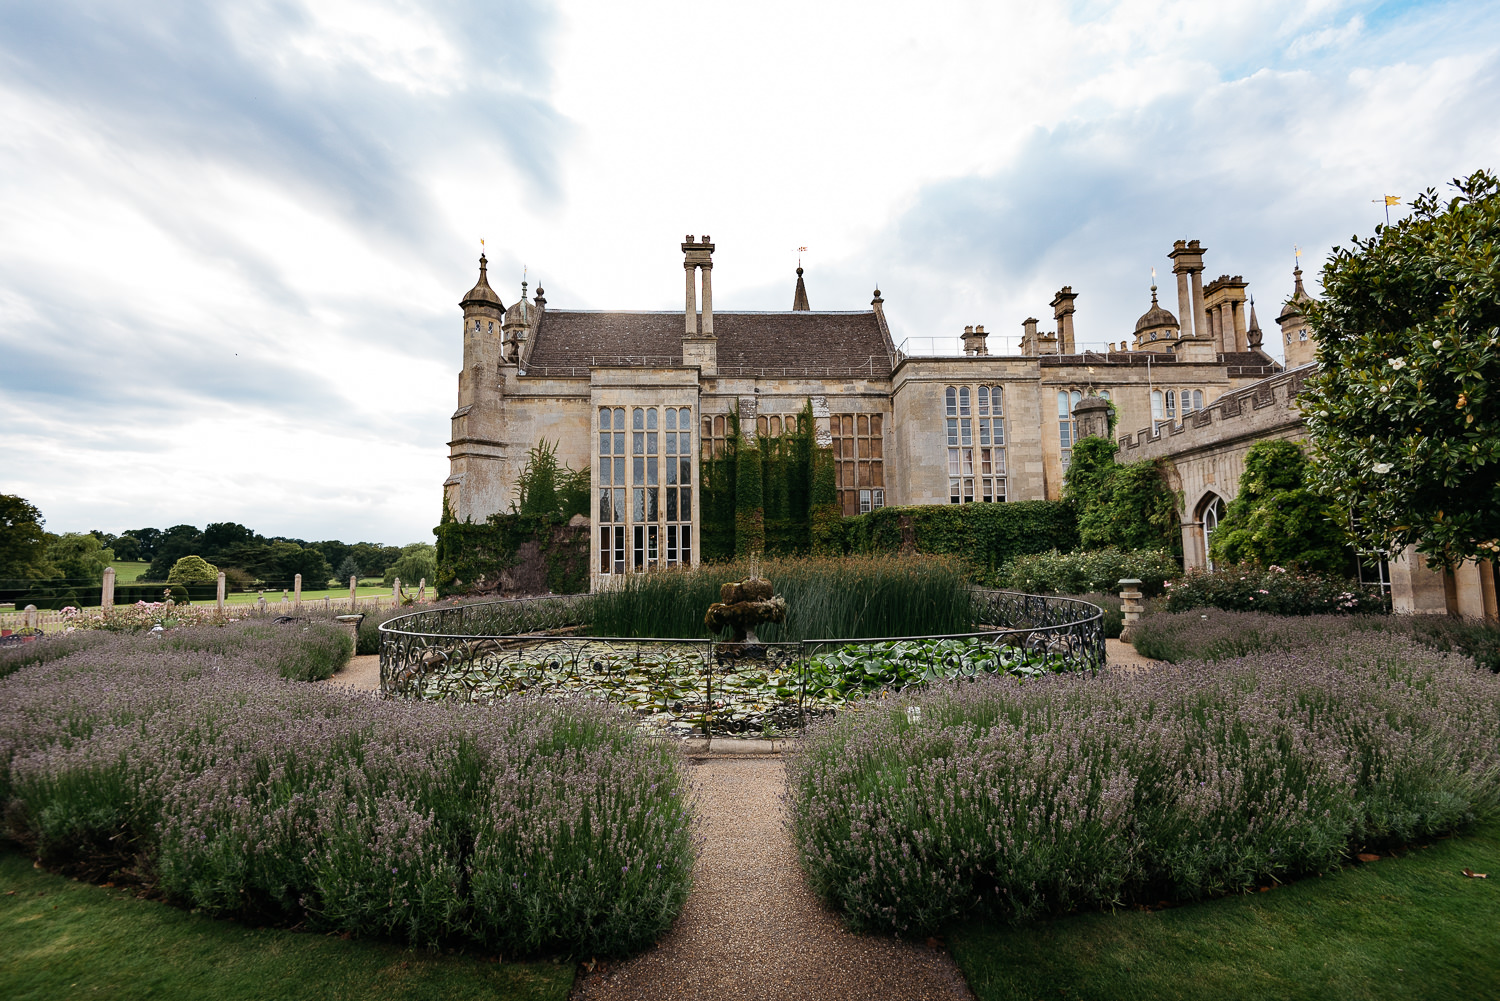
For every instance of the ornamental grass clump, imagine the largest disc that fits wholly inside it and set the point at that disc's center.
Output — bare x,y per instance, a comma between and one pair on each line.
851,597
1013,800
194,767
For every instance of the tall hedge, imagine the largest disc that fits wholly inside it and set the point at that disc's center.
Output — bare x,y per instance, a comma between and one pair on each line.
986,536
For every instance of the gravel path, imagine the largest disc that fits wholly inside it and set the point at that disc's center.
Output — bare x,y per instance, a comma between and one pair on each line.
361,673
752,930
1123,655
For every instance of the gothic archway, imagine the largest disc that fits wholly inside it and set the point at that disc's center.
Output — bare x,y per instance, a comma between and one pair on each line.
1211,511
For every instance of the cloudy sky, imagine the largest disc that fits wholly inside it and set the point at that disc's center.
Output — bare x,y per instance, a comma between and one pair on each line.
232,235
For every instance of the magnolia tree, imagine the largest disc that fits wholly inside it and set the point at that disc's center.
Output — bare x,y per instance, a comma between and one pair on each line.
1403,415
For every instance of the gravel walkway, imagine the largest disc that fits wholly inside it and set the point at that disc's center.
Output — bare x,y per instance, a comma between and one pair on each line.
1123,656
361,674
752,930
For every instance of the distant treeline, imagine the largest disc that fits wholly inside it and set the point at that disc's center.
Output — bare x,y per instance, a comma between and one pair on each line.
227,545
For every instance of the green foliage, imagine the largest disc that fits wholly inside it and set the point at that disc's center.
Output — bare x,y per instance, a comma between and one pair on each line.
172,545
193,570
1127,506
350,568
1089,570
550,488
1404,414
749,498
985,536
838,598
1276,519
79,557
23,542
826,521
418,562
1251,587
471,558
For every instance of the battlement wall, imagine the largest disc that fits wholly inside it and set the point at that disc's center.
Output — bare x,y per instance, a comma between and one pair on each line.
1259,410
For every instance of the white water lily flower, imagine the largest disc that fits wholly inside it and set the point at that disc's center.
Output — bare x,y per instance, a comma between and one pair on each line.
1382,467
1398,363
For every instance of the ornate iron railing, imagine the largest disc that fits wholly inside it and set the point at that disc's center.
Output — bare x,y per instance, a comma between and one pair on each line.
494,649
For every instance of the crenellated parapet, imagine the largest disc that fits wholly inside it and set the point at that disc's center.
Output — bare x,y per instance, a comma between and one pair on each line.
1253,411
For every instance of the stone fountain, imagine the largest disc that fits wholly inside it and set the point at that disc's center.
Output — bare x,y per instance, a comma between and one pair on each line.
744,606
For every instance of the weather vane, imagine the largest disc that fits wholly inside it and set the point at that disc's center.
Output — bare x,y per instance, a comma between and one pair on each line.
800,252
1389,201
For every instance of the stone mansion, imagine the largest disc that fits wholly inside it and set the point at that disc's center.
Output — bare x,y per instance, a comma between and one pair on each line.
637,396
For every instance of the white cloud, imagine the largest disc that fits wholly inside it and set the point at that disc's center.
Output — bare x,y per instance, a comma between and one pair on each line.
232,237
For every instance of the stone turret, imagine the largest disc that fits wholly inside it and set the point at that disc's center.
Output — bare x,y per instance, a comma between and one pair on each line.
484,316
1296,339
1157,329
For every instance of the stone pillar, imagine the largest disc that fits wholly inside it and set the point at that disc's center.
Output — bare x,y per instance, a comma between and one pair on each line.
30,618
1130,593
691,308
1241,335
422,590
708,297
220,598
1416,590
396,591
297,592
107,594
353,592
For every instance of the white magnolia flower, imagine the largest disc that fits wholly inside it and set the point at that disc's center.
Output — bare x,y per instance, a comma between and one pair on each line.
1398,363
1382,467
1436,345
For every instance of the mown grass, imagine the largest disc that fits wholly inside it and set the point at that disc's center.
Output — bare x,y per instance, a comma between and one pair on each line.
1411,927
60,938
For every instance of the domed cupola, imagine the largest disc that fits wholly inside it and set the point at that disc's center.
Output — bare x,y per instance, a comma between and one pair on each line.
1156,325
481,294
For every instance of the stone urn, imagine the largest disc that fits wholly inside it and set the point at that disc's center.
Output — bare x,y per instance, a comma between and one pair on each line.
744,606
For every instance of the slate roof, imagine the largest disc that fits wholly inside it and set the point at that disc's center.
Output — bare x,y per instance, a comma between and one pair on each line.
783,341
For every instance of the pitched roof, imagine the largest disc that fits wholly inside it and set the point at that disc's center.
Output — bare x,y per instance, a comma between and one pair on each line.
818,343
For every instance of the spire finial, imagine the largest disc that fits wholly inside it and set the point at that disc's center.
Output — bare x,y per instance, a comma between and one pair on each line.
799,298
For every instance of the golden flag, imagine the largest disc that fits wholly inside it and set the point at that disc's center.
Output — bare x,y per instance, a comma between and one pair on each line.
1393,199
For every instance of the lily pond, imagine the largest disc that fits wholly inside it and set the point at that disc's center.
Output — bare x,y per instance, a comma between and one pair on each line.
684,688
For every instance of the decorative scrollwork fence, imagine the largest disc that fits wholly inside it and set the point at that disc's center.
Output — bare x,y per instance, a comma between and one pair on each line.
490,650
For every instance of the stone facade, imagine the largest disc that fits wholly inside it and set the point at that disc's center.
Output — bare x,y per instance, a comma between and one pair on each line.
1204,456
906,428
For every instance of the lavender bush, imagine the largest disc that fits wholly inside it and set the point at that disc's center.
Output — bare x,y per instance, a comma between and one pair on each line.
1013,800
527,826
1219,635
45,648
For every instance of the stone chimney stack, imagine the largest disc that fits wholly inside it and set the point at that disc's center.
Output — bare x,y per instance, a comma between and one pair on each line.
1187,265
699,347
974,341
1028,336
1062,310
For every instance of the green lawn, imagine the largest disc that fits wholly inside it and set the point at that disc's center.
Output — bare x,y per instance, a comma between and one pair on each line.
61,939
1412,927
127,571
